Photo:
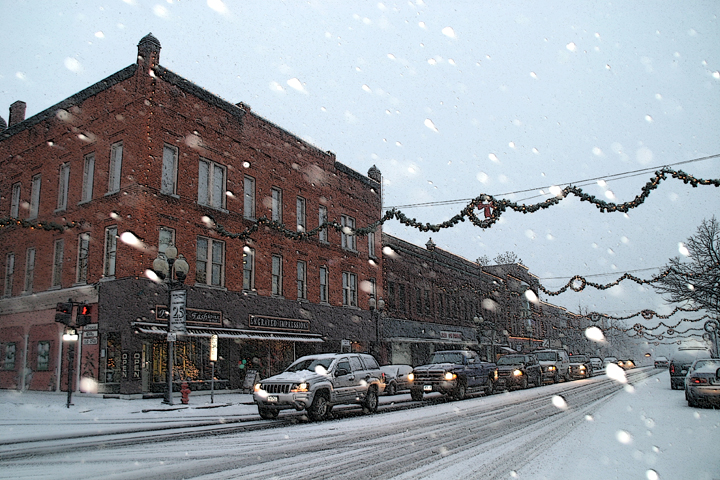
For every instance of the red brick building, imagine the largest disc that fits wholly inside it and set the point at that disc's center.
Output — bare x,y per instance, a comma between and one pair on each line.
144,159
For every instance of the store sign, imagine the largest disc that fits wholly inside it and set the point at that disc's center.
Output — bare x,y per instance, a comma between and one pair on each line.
137,365
193,315
452,336
213,348
124,365
277,323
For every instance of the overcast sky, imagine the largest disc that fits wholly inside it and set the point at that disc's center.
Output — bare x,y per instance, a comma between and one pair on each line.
450,100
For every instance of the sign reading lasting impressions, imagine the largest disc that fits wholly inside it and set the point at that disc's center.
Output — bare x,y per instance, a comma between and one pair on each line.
193,315
177,310
452,336
277,323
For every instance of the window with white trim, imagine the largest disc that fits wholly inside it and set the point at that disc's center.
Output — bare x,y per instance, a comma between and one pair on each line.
63,183
349,289
9,273
248,268
322,218
29,270
211,184
348,239
301,280
81,274
276,275
9,360
300,215
249,198
168,181
35,196
115,169
88,178
210,262
110,251
43,355
59,247
371,244
324,285
15,202
276,205
166,238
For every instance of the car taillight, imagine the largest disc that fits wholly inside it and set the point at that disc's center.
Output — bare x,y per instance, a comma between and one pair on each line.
672,368
697,380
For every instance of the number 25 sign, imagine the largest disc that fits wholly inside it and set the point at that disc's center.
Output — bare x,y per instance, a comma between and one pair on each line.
177,310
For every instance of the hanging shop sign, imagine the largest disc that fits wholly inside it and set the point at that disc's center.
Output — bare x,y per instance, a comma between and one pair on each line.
452,336
193,315
277,323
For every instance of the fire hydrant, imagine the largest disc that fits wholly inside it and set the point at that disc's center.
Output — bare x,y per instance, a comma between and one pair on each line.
185,391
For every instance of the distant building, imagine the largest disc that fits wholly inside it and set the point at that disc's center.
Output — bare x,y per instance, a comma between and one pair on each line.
148,153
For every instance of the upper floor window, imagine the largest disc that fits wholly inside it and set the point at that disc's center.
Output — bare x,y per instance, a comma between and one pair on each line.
249,198
110,251
63,183
9,361
168,182
29,270
211,184
324,285
210,263
88,177
348,238
248,268
82,258
35,196
43,355
301,280
9,273
300,215
15,202
114,172
371,244
166,238
58,263
322,218
276,275
349,289
276,205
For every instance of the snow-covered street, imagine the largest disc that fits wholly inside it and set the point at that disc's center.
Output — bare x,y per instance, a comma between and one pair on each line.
569,430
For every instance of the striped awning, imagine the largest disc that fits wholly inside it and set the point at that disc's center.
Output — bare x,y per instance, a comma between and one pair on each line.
198,331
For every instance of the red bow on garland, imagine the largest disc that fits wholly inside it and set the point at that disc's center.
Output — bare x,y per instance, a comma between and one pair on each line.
487,207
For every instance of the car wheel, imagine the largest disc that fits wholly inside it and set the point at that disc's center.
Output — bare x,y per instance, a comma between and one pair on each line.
538,381
268,413
416,394
391,389
524,382
320,407
370,405
460,391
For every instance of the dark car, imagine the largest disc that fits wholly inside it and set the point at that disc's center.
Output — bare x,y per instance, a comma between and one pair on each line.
662,362
681,361
702,383
518,371
580,367
396,378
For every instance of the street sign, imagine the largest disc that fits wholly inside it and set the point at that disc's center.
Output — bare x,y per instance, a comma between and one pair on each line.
171,337
177,311
213,348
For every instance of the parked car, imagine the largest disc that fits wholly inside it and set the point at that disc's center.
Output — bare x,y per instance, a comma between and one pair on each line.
597,364
555,364
626,364
661,362
517,371
580,367
316,383
681,361
396,378
702,383
453,373
608,360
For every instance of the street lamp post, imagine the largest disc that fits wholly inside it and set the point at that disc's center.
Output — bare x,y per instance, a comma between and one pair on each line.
377,307
71,337
172,267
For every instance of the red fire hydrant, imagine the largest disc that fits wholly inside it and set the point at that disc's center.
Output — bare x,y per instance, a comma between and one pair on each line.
185,391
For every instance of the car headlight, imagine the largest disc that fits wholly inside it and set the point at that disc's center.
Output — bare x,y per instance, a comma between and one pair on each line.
257,387
582,367
495,375
450,376
551,368
299,387
517,373
411,376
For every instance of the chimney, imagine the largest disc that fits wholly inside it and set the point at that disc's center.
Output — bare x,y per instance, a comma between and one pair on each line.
148,52
17,113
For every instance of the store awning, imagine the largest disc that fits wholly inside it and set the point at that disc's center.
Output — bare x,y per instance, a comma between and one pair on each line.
197,331
508,350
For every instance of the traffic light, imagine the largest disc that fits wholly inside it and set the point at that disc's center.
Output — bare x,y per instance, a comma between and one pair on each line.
83,317
63,313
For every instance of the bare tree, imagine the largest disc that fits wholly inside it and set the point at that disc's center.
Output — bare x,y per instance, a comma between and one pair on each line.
483,261
507,258
696,281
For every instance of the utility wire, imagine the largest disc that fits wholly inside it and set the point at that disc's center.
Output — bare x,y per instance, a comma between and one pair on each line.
587,181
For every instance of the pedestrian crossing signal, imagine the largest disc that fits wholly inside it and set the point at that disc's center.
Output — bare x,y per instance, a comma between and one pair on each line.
84,317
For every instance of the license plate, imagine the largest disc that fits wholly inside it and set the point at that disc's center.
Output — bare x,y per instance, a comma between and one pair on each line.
427,388
272,398
501,382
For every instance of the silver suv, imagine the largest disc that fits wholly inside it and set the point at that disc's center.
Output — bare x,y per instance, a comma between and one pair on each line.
555,365
315,383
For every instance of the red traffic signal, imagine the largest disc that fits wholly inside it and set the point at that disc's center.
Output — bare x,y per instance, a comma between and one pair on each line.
84,316
63,313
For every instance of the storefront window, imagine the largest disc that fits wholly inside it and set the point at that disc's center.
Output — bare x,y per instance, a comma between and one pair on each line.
112,358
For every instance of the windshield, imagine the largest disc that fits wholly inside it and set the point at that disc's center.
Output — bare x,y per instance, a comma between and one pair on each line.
312,365
546,356
510,360
578,359
447,357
